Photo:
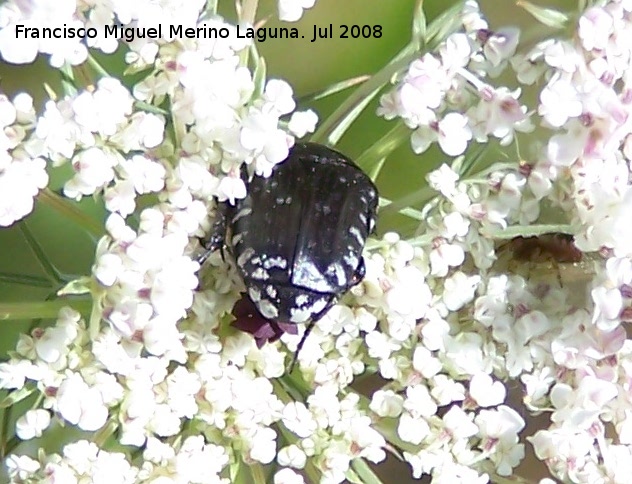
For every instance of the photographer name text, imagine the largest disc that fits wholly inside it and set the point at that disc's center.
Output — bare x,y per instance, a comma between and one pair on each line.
261,34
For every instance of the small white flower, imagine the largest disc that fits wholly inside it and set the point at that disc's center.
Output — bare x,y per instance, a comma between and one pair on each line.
287,476
292,456
21,467
81,405
459,289
263,445
32,424
297,418
426,364
412,429
292,10
453,134
485,391
302,122
459,423
386,403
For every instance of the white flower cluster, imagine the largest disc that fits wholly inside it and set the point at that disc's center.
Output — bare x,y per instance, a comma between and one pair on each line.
75,15
97,132
443,98
442,318
82,14
194,461
22,173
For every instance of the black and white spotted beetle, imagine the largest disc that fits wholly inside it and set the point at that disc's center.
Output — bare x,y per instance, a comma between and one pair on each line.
298,236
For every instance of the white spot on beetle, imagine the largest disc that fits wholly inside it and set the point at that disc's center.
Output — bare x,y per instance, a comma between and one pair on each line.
256,261
358,236
242,213
245,256
351,260
271,291
301,300
305,270
236,239
267,309
337,270
255,294
279,262
260,274
303,314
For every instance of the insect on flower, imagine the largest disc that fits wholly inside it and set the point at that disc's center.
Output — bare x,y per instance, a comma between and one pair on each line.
546,255
297,239
548,247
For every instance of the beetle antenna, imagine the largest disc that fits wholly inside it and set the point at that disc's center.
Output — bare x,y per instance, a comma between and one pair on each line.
308,329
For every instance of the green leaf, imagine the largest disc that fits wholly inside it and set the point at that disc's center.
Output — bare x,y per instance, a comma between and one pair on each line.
211,8
78,286
70,210
333,89
527,231
259,78
150,108
372,160
366,474
25,280
346,121
470,161
547,16
97,67
407,211
45,309
330,129
419,24
16,396
50,91
352,477
418,197
233,471
443,25
35,246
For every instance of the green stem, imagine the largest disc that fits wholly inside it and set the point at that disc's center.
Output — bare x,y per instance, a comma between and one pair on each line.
44,310
51,271
11,444
249,11
71,211
211,7
528,231
4,431
365,473
247,15
97,67
372,160
23,279
68,80
104,433
418,197
324,133
258,476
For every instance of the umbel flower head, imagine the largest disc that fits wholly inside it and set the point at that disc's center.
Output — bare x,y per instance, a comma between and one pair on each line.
160,369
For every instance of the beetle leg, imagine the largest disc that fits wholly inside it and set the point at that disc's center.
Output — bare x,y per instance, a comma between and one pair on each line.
217,236
308,329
